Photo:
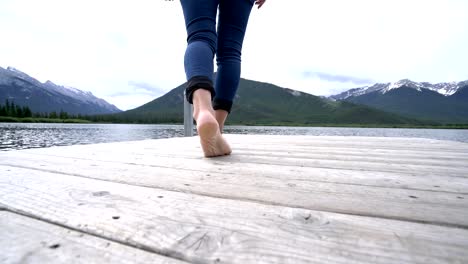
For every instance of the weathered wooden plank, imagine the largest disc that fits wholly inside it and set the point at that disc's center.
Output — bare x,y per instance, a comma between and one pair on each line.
26,240
442,163
408,203
438,159
351,139
337,149
404,166
295,151
384,143
407,157
403,158
204,229
155,147
403,202
196,170
308,142
457,169
435,164
337,138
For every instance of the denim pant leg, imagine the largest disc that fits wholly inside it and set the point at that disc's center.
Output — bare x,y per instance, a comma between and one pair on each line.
232,24
200,22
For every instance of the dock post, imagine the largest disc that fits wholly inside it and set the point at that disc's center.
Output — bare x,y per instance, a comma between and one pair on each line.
188,118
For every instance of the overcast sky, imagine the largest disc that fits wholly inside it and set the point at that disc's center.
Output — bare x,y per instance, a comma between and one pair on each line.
131,52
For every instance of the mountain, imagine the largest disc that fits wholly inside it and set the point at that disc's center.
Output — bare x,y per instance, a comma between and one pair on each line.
441,102
263,103
24,90
446,89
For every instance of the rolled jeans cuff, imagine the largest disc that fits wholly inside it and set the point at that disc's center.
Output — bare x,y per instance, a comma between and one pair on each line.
198,82
222,104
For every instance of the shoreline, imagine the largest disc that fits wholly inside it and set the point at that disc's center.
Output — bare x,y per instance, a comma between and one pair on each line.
82,121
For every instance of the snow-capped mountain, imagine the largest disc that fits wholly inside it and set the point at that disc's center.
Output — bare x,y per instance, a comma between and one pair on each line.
21,88
441,102
446,88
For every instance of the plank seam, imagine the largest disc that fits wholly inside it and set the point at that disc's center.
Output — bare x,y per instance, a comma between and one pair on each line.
149,186
166,253
262,162
259,162
437,223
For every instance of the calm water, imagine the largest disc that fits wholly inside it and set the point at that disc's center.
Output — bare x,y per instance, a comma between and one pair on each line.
22,136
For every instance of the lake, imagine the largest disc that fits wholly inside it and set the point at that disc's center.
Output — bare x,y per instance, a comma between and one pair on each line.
33,135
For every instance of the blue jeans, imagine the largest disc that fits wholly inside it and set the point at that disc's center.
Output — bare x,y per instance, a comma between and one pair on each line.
204,41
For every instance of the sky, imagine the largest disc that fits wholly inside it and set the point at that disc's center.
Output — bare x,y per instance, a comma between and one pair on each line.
131,52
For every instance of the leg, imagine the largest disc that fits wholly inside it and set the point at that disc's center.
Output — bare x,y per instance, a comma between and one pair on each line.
221,116
232,24
212,142
200,22
200,19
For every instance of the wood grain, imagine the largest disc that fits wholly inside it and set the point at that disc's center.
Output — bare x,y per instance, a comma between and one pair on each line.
26,240
277,199
203,229
409,192
163,152
395,201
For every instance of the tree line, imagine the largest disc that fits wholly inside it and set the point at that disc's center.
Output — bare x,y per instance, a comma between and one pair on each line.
10,109
13,110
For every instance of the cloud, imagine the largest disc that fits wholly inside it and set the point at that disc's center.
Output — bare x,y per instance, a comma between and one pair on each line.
336,78
140,88
134,94
151,89
361,39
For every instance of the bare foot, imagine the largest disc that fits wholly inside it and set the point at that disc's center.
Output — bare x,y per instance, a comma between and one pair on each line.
221,116
212,142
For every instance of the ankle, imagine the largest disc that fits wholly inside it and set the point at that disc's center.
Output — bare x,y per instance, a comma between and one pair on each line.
221,116
201,102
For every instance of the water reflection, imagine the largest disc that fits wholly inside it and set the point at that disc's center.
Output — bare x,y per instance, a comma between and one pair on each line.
442,134
22,136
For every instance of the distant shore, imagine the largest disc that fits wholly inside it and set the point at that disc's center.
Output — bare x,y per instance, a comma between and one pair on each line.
432,126
5,119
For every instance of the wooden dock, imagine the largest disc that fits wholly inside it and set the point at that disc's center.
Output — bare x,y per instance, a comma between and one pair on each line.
276,199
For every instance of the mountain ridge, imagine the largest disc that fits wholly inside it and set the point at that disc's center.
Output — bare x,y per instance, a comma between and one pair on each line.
25,90
260,103
443,102
443,88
